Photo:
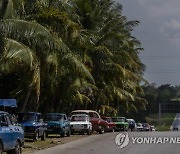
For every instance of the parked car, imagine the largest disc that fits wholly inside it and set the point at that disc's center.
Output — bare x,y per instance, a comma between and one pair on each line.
33,125
80,123
139,127
11,136
98,124
57,123
146,127
132,124
111,124
152,128
121,123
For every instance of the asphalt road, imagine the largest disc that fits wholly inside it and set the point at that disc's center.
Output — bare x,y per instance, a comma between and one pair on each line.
105,144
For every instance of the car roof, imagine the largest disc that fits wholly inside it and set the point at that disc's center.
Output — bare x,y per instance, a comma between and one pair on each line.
80,115
86,111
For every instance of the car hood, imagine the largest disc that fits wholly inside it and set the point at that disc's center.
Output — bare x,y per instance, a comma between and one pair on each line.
124,123
52,123
78,122
29,123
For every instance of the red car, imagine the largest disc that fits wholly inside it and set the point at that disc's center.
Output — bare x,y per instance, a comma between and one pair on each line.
111,124
98,124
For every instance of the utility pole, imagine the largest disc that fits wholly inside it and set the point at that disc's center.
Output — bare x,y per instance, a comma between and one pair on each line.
159,114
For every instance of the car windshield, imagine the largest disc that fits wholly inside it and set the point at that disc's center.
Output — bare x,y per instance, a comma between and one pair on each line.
53,118
145,125
139,124
79,118
118,119
26,117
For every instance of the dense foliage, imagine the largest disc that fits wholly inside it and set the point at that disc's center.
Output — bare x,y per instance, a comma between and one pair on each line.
61,55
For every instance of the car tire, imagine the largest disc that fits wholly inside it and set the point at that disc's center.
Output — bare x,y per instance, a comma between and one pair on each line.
68,133
16,150
102,130
1,148
89,132
43,137
36,137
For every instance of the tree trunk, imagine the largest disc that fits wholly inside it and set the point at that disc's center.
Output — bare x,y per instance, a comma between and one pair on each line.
23,106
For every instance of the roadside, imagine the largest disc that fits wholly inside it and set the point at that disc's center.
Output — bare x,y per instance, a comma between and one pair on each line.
166,121
30,146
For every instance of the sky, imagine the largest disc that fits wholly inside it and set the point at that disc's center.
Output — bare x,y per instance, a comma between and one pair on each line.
159,33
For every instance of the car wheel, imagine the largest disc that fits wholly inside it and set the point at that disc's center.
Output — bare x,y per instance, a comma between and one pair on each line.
36,137
1,148
88,132
102,130
16,150
69,133
43,137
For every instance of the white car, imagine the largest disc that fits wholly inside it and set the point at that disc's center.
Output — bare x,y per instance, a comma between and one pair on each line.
139,127
80,123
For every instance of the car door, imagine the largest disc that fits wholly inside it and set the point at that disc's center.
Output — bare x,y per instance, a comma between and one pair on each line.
66,123
6,132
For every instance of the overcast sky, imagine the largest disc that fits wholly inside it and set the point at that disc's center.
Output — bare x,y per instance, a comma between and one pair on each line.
159,33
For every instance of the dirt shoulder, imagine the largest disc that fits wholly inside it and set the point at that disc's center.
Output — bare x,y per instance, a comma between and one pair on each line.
30,146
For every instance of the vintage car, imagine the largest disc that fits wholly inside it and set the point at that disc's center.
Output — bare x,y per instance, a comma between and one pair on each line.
57,123
11,136
146,127
132,124
121,123
33,125
139,127
111,124
80,123
98,124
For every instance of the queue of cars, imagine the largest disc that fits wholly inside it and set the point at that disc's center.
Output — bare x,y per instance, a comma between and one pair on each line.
33,126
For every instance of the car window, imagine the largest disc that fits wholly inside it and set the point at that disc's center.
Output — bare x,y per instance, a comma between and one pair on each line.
95,115
3,119
65,118
91,115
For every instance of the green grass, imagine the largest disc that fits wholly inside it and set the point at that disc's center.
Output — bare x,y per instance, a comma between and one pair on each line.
166,121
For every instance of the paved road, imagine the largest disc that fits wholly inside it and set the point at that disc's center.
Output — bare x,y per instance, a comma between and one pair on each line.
176,123
104,144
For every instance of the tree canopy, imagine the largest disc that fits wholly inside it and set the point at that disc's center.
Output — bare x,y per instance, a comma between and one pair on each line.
64,55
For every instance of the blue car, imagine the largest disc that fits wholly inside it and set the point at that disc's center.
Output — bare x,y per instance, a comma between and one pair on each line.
33,125
57,123
11,136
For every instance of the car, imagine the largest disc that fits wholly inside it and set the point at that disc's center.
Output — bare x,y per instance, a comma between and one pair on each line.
139,127
146,127
152,128
132,124
80,123
121,123
111,124
98,124
11,136
33,125
57,123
